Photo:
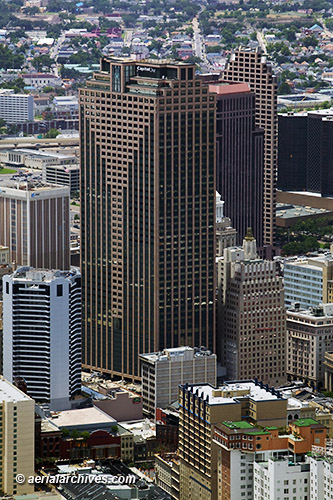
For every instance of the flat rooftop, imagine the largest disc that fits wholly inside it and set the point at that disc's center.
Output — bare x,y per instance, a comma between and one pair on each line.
176,353
290,211
83,416
31,274
237,390
10,393
32,153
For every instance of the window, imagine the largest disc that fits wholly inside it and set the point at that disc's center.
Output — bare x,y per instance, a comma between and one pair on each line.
59,290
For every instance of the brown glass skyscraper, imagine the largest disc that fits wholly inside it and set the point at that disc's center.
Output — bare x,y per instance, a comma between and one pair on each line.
251,67
239,158
147,212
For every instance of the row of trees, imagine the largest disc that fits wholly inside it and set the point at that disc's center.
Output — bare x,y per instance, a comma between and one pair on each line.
305,236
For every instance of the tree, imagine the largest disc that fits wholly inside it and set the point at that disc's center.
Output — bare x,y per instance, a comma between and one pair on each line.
48,89
75,434
105,23
284,89
43,60
130,20
9,60
213,49
310,41
52,133
114,429
155,45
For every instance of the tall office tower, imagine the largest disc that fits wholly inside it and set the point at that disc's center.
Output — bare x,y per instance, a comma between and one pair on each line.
147,212
201,407
252,68
251,331
309,337
308,281
17,429
225,233
34,224
239,158
306,151
42,333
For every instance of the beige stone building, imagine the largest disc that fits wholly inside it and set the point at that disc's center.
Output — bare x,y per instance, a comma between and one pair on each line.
17,442
309,336
251,332
328,367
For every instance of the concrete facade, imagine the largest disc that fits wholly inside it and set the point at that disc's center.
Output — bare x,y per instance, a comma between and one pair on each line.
17,452
162,373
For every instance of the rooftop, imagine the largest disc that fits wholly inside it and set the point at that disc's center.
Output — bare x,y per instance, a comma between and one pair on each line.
83,416
10,393
289,211
322,311
233,392
305,422
226,88
26,273
176,353
238,425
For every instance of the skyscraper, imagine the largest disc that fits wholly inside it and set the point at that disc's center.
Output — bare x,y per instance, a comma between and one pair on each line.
251,331
239,158
305,152
252,68
147,212
42,333
34,224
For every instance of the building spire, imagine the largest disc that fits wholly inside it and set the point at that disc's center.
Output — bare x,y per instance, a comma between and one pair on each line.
250,245
249,234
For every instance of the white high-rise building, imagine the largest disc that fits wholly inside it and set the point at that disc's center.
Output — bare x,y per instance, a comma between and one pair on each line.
42,333
16,108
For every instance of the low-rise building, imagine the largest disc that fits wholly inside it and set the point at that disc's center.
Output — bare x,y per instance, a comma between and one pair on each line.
36,159
162,372
121,405
40,80
63,175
